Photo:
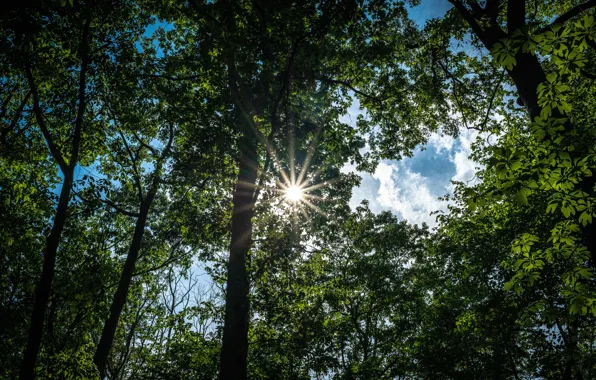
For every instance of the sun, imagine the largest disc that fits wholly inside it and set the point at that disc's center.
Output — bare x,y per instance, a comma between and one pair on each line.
294,194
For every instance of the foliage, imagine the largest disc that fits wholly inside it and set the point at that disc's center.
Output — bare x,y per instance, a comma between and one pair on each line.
168,123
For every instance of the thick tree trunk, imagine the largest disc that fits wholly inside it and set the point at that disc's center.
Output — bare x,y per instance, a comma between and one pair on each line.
235,334
109,329
527,75
42,293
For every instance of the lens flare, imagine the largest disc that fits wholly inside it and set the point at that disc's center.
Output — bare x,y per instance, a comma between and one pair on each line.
294,194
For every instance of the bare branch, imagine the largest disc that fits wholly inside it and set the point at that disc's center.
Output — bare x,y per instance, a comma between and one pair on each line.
492,99
457,99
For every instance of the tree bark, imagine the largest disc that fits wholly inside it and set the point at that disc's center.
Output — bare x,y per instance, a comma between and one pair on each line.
42,292
527,74
109,329
235,334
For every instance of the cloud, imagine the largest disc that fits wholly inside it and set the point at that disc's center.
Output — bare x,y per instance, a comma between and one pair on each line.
465,168
458,151
407,193
440,142
411,188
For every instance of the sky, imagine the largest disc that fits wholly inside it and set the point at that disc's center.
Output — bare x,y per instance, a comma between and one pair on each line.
411,187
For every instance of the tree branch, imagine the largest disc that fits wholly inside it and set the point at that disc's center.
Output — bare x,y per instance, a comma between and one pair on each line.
275,109
569,15
133,160
111,204
54,151
488,39
168,261
119,209
85,60
492,99
6,102
492,10
574,12
17,116
144,144
457,100
169,77
168,147
349,85
516,15
467,15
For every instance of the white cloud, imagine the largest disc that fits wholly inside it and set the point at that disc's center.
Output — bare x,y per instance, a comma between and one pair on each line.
459,152
406,193
440,141
411,194
465,168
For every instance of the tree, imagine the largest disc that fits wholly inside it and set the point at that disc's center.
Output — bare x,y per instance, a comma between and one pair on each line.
35,36
544,87
150,120
346,304
210,136
278,78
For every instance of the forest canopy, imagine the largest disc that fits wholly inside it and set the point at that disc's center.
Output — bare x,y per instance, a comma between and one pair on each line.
185,189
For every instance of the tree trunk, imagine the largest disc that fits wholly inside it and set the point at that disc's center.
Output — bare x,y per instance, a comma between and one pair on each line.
527,74
235,333
109,329
42,292
572,369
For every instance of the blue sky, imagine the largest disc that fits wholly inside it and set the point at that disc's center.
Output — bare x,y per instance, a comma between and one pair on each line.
410,188
429,9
